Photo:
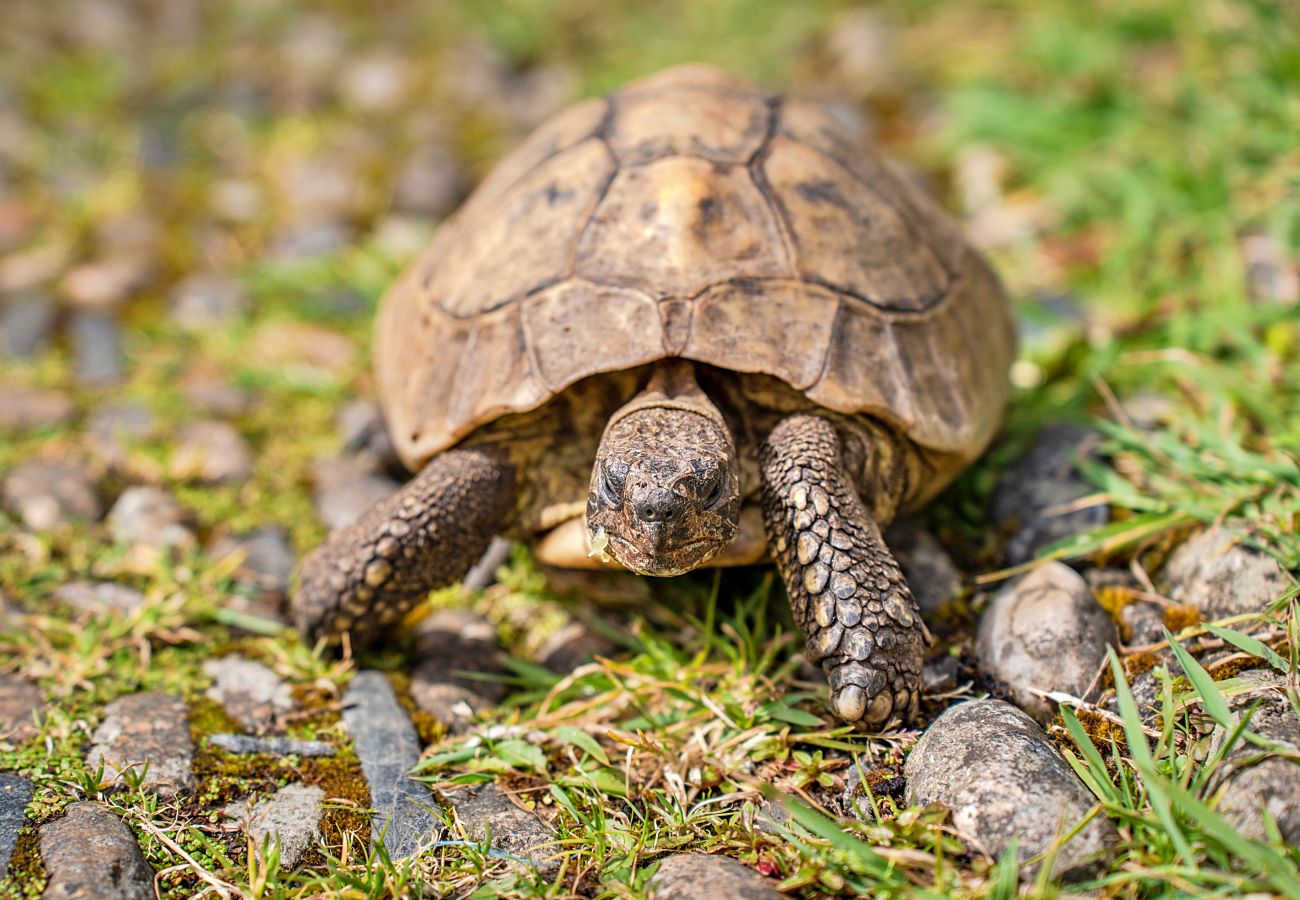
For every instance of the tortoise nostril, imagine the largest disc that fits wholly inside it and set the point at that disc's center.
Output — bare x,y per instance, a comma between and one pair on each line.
660,506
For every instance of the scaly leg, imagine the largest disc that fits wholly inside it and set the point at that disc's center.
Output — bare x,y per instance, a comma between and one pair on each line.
365,578
847,592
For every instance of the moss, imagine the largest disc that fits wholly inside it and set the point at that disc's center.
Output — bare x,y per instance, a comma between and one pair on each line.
1136,664
427,725
341,779
1180,616
26,876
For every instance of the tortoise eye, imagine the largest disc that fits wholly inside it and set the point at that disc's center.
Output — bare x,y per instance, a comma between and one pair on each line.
609,485
717,490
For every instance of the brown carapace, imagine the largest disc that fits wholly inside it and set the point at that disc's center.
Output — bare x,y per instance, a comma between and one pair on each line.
695,323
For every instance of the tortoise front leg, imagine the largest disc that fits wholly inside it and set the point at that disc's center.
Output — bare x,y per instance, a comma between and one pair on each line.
846,591
365,578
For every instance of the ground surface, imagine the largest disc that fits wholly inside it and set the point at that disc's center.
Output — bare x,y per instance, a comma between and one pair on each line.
199,207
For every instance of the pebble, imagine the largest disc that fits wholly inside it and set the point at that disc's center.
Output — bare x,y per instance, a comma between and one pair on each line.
213,453
20,703
150,516
152,727
114,427
929,569
292,815
1003,780
1045,632
387,746
1041,480
270,745
484,809
1248,788
29,408
376,83
311,241
344,490
702,876
95,598
483,574
940,675
91,853
429,183
1220,576
212,395
1272,275
96,347
206,300
268,558
15,793
251,694
1143,623
49,494
450,641
26,323
304,347
106,284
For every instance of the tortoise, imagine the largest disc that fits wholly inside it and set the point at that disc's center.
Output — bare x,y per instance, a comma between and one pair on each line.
690,322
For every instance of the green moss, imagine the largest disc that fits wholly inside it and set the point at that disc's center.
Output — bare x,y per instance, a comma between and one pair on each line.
26,876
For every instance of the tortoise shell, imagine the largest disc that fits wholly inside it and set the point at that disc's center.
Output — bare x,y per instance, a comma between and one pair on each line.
693,215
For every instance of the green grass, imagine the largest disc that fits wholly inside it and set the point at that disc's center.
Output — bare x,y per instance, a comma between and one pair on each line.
1143,143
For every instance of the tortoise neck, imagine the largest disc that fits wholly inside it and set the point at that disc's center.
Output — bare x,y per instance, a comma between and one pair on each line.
672,385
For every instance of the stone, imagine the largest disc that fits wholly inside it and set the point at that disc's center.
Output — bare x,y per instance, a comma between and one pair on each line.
270,745
388,747
939,676
97,598
376,83
105,284
251,694
1003,780
483,574
90,854
20,703
303,350
15,793
291,816
1250,790
26,323
206,300
268,559
96,347
150,516
1272,275
449,642
23,409
929,569
1035,486
213,453
1044,632
49,493
703,876
310,241
114,427
212,395
343,490
1143,623
573,645
429,183
365,435
483,809
1220,576
147,727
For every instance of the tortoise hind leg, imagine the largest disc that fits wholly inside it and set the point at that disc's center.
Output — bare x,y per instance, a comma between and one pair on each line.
846,591
365,578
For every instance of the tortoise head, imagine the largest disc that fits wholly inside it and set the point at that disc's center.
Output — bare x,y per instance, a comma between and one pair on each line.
665,488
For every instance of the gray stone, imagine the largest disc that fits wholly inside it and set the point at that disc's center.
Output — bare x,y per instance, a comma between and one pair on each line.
344,490
95,598
1044,632
999,774
50,493
702,876
365,435
15,793
310,241
451,642
939,676
96,347
150,728
1144,622
1220,576
1250,790
206,300
291,815
1036,485
375,83
114,427
388,747
251,693
483,574
429,183
26,323
212,395
268,557
90,854
929,569
484,809
150,516
20,703
270,745
212,452
24,408
573,645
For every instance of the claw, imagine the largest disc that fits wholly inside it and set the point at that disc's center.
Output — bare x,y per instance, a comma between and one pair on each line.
849,703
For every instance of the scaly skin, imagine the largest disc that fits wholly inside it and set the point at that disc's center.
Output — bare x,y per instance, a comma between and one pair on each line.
365,578
846,591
